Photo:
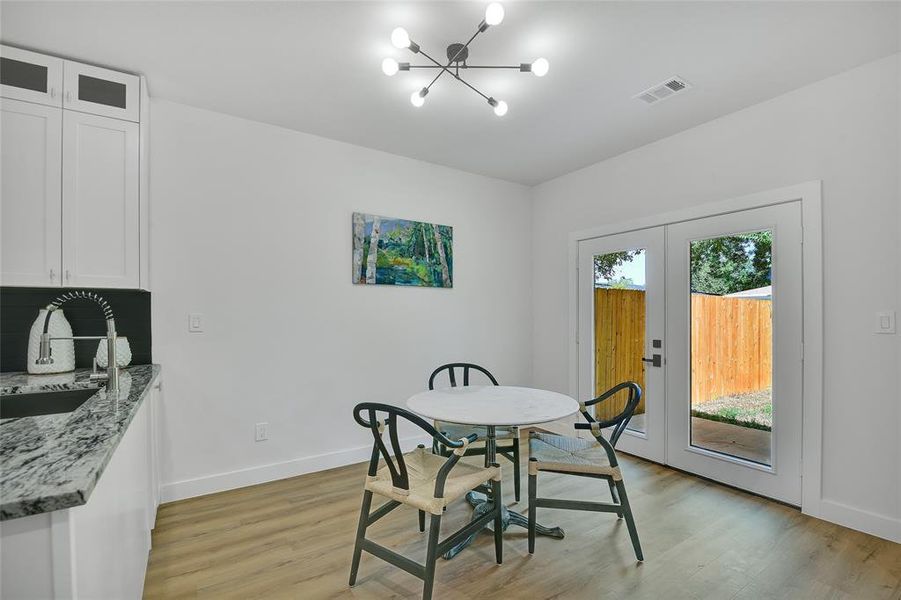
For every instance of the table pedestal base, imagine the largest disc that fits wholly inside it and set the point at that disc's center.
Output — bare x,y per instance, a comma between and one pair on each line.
482,505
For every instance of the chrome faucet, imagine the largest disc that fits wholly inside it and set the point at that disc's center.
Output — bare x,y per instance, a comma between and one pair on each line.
112,368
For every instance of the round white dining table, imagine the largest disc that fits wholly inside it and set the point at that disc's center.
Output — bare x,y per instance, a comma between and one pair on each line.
492,406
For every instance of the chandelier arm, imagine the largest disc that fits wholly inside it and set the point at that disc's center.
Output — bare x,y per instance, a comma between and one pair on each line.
467,84
440,66
431,83
517,67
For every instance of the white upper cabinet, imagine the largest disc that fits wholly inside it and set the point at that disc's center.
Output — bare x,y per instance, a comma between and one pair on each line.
30,76
101,91
101,225
30,194
73,178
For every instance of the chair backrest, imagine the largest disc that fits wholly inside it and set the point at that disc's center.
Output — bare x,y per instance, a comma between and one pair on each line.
620,421
451,369
368,415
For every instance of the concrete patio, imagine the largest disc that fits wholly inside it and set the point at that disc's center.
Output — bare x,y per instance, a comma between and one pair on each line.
734,440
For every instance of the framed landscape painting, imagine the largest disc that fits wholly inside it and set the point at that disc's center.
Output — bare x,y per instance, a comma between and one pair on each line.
389,251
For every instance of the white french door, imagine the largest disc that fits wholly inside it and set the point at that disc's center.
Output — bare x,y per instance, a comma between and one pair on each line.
734,361
719,300
621,328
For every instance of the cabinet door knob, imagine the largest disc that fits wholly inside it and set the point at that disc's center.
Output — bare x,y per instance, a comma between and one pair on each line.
53,92
52,274
69,96
68,277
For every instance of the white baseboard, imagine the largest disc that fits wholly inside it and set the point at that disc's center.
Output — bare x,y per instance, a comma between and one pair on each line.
861,520
230,480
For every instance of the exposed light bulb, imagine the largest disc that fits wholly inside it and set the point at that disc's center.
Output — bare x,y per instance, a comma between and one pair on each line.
390,67
494,14
540,67
500,108
400,38
417,98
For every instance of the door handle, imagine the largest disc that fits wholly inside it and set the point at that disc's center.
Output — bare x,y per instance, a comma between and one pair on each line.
655,360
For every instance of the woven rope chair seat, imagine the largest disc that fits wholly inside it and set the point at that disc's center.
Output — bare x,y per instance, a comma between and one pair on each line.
422,470
570,455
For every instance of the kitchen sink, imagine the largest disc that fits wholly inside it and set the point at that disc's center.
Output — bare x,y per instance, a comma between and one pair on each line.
43,403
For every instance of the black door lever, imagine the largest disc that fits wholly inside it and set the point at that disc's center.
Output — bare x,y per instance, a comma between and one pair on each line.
656,360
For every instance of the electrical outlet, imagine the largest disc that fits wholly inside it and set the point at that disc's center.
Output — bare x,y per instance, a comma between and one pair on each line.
261,433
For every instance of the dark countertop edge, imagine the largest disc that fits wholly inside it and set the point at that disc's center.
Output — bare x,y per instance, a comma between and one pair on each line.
70,498
21,509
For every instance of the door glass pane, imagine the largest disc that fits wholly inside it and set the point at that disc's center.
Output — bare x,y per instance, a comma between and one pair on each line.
101,91
619,329
23,75
732,345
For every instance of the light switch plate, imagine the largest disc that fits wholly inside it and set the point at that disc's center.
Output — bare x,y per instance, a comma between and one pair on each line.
195,323
885,322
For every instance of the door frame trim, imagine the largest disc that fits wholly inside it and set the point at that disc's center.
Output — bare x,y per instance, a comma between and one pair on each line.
810,196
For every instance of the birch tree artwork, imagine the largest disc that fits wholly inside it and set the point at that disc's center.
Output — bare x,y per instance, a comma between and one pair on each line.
359,227
390,251
374,234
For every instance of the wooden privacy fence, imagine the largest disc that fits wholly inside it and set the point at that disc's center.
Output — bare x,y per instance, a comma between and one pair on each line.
731,345
619,345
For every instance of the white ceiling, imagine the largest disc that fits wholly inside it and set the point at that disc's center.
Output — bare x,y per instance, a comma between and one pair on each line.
315,67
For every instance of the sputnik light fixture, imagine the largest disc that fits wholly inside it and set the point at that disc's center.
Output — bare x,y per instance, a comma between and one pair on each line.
456,61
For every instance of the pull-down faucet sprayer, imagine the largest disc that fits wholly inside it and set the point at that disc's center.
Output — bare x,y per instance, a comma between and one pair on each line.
112,369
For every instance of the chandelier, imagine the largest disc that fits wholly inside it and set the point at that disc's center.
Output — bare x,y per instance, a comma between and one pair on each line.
456,61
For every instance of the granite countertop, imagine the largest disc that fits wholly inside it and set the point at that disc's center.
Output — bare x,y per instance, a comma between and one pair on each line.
52,462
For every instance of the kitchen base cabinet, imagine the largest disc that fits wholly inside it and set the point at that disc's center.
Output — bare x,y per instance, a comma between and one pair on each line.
99,549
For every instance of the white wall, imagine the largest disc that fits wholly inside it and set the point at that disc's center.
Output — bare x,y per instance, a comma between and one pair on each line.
251,226
844,131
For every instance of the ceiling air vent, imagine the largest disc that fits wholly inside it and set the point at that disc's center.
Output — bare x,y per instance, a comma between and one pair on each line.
662,91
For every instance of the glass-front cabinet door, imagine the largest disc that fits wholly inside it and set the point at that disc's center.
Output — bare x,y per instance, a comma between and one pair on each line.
52,81
30,76
102,92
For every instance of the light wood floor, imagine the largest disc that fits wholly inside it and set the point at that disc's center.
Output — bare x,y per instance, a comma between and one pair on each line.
293,539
